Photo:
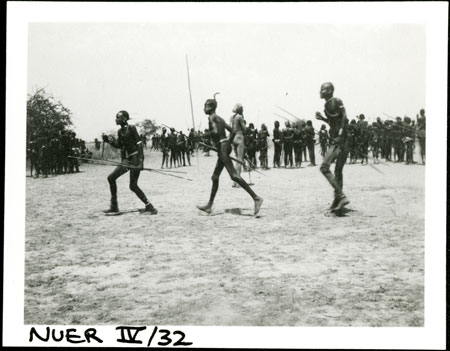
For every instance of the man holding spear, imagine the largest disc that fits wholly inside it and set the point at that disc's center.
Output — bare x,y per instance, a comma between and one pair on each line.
217,131
131,152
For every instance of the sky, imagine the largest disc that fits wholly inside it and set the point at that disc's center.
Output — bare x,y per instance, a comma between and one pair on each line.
97,69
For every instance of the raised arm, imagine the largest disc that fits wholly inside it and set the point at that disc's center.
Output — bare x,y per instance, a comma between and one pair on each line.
320,117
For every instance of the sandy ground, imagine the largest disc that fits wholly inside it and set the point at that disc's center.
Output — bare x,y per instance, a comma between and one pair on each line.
292,266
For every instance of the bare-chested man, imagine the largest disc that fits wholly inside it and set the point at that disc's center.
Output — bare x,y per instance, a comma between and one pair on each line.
223,144
238,130
336,117
131,152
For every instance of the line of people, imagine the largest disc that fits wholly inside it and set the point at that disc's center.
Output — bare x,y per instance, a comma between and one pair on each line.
176,148
49,154
393,140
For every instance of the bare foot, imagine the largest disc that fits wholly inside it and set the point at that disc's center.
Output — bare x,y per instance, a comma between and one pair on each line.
343,201
207,208
258,203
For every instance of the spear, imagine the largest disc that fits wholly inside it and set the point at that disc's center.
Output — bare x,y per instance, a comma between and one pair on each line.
287,119
282,109
125,165
113,163
234,159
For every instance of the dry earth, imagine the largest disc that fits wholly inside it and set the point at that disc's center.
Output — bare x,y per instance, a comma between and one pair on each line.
292,266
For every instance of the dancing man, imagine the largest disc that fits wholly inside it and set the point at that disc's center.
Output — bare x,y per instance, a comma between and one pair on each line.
336,118
131,153
223,145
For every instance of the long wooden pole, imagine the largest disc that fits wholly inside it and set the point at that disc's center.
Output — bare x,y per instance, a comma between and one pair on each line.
192,108
190,92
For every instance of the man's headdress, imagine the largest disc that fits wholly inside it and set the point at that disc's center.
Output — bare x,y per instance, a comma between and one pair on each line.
212,102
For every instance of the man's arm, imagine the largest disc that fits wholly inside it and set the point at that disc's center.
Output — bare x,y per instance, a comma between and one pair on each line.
139,145
241,124
112,141
338,106
227,126
320,117
344,119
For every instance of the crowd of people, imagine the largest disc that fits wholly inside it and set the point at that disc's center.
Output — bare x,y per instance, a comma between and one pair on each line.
49,155
344,141
389,139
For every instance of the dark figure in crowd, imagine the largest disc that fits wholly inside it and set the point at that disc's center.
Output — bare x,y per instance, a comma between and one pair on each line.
217,127
74,150
54,152
33,155
381,137
144,140
323,139
336,118
164,148
45,159
288,135
352,137
310,142
397,134
131,152
182,147
97,144
421,133
263,146
375,141
191,144
388,140
277,143
64,151
172,144
409,139
251,144
363,139
297,143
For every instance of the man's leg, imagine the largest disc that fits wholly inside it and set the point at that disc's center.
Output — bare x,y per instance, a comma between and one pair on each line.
118,171
292,155
312,157
239,151
339,176
183,156
188,155
296,154
330,156
226,161
279,156
162,163
134,177
215,186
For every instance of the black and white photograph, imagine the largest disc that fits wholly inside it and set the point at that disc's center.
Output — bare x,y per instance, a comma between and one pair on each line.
226,175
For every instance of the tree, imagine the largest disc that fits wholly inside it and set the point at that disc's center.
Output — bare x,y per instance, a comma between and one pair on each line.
46,116
147,127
